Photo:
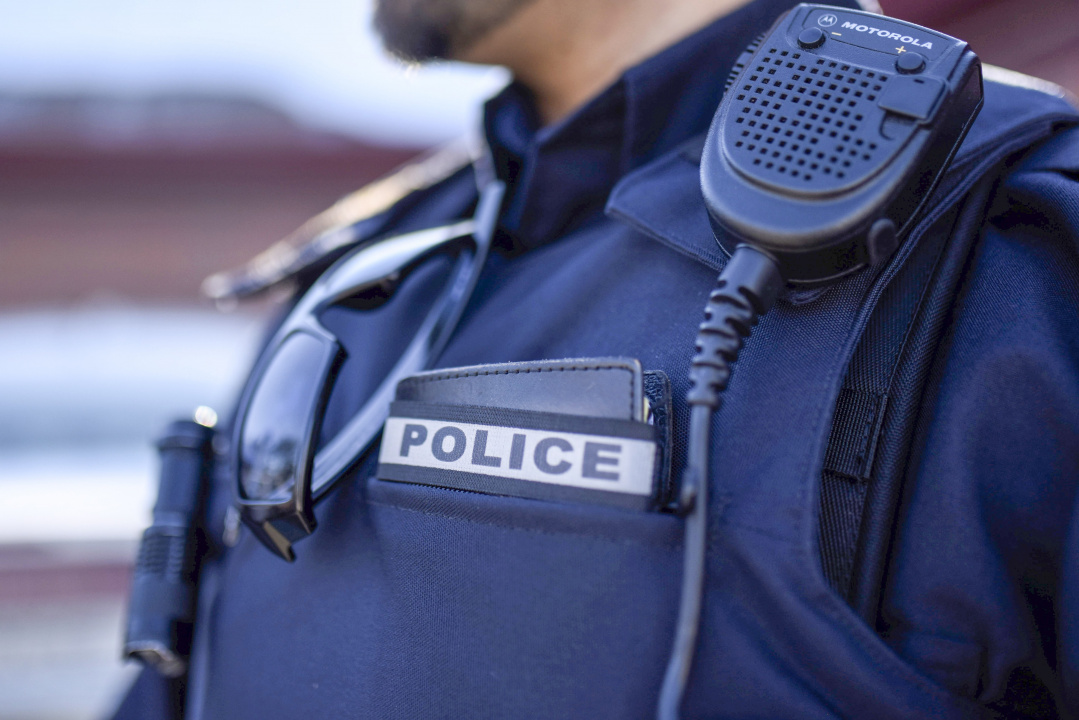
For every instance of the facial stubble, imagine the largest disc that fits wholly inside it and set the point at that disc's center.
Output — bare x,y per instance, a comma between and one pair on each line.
424,30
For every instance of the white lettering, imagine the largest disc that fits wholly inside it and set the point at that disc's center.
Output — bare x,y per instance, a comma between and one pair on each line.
907,39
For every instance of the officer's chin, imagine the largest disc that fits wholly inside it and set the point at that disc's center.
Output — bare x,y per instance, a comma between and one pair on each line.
424,31
415,51
410,34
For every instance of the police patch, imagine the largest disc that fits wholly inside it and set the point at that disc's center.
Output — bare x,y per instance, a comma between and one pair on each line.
500,447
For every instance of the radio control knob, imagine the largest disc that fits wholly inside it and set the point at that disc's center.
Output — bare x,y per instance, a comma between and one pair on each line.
908,62
811,37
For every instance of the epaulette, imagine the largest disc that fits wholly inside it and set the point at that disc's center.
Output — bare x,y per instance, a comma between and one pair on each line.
1005,76
336,227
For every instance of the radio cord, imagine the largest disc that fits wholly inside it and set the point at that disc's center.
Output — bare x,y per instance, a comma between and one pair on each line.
746,289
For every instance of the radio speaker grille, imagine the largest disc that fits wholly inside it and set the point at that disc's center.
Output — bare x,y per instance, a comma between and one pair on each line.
808,124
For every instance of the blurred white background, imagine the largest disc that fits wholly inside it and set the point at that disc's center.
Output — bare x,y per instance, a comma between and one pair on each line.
144,144
317,61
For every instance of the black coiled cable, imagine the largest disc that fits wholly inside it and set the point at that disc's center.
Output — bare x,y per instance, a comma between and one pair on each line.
744,292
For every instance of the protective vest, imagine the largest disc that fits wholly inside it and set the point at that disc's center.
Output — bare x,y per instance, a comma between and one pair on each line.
449,604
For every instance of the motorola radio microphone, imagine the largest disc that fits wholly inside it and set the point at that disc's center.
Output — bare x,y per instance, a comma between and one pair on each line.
835,127
832,132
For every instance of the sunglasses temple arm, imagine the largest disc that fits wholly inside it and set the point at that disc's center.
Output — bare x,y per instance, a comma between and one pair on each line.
488,208
339,453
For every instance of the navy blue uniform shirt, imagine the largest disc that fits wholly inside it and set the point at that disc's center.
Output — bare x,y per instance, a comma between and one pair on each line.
414,601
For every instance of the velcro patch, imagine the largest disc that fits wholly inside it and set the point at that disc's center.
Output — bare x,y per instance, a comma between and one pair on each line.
540,455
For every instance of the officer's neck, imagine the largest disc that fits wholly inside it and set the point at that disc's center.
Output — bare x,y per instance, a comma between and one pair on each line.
567,51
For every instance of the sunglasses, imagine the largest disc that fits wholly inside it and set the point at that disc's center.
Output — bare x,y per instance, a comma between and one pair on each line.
279,475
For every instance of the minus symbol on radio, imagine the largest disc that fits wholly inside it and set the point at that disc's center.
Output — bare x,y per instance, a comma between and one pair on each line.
835,33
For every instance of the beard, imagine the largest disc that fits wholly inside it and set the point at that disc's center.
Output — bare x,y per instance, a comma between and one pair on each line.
424,30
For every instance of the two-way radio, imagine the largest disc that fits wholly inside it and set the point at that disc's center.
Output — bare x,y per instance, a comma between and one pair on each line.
835,128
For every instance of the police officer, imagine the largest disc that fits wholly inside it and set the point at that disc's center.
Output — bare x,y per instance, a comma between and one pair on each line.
894,523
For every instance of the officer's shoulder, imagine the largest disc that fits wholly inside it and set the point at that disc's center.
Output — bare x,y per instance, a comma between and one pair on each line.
1024,102
1026,125
1030,232
358,216
1017,103
1015,84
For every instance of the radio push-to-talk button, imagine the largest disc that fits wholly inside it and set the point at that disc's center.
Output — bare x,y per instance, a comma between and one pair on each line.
910,62
811,37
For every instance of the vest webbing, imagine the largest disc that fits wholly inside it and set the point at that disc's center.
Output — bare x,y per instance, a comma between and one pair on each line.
872,427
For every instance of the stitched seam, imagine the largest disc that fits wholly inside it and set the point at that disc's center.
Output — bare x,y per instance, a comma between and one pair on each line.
516,371
863,442
531,531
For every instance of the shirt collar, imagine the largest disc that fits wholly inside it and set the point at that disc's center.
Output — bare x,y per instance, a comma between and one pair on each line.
558,177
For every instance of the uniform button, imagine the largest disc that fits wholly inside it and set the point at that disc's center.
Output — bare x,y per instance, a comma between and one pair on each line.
811,38
909,62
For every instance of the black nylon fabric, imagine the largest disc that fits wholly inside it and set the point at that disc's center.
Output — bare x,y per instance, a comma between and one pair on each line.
858,501
842,500
854,432
858,423
933,280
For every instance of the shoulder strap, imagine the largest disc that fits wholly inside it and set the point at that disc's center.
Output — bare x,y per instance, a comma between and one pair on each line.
875,411
858,424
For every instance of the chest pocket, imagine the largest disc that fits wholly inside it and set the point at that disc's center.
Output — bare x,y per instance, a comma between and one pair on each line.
547,588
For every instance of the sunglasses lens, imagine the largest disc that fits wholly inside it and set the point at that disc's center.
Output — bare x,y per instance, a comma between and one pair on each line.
276,433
